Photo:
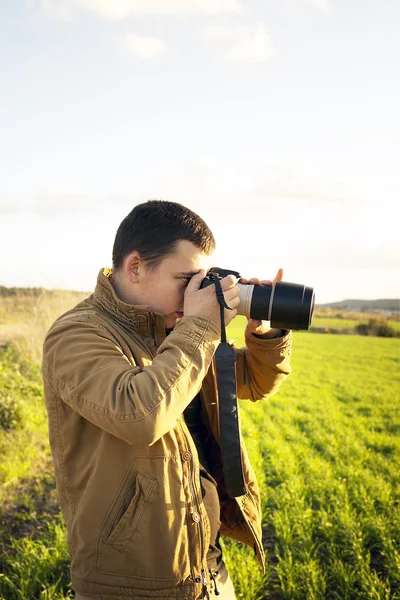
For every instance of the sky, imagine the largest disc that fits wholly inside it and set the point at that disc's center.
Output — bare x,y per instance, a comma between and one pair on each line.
276,121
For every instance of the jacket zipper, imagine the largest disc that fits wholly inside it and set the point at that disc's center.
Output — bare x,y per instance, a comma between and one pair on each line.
200,524
201,530
205,593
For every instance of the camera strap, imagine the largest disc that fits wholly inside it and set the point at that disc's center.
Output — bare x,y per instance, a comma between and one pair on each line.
225,358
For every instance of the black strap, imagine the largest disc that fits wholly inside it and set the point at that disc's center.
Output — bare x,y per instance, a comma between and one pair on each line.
225,357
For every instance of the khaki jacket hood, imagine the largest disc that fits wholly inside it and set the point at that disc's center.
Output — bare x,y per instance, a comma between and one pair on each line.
126,467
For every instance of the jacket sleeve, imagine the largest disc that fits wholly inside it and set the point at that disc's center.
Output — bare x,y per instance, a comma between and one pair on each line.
262,365
86,368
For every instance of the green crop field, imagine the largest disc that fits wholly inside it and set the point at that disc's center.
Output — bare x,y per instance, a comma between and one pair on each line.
326,452
327,455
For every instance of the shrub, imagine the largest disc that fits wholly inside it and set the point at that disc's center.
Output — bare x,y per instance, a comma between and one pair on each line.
362,329
16,291
19,381
10,411
385,330
376,327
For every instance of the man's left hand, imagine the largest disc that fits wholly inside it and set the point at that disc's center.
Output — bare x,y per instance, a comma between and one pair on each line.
255,325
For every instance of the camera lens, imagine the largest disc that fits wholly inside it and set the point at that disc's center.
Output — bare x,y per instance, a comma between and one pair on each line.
285,305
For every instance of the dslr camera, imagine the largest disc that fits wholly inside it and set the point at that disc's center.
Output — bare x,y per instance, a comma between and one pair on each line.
284,305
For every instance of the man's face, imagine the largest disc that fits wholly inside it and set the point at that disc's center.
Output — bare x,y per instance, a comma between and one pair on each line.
163,288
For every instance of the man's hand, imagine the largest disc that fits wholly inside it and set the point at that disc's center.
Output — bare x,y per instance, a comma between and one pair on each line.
254,325
204,303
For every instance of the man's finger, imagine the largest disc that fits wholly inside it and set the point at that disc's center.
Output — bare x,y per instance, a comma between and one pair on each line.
232,293
234,302
195,281
228,282
278,276
257,281
253,323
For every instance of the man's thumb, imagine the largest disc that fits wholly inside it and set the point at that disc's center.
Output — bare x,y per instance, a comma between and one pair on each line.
195,282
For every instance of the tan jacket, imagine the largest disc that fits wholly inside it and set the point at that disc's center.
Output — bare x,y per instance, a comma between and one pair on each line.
126,467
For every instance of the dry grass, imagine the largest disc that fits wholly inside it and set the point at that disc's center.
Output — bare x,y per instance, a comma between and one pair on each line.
338,313
24,319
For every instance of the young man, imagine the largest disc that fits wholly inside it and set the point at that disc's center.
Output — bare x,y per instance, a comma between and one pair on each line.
132,401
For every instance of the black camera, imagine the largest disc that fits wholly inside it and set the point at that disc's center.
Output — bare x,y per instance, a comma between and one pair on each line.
284,305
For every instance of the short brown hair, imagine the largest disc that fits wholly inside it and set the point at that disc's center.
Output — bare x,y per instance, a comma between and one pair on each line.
154,229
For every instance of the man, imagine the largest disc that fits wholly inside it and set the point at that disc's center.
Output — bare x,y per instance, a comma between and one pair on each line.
132,401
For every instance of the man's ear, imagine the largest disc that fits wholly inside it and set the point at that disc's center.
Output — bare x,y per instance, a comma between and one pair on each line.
133,264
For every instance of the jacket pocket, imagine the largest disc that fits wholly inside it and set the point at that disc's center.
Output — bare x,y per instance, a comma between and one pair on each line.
145,533
125,528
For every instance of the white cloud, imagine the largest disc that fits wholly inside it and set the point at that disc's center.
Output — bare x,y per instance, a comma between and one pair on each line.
241,43
323,232
122,9
9,206
56,203
144,46
61,10
293,7
323,4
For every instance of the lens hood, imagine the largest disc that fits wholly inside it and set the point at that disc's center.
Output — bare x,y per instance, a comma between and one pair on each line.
285,305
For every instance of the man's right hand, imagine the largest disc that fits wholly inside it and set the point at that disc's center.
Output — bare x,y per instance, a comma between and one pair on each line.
203,302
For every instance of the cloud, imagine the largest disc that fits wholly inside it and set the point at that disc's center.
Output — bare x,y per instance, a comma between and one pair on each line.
261,184
55,203
60,10
303,187
324,232
10,207
293,7
240,44
345,255
123,9
144,46
301,215
323,4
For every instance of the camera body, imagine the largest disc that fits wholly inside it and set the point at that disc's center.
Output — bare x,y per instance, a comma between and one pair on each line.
284,305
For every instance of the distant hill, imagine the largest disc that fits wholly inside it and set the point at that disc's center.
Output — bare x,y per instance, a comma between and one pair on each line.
383,305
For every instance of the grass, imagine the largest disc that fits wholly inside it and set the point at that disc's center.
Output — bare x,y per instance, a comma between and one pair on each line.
326,452
25,446
325,449
24,320
37,568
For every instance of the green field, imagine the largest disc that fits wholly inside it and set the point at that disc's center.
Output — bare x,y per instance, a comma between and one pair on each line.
327,455
326,452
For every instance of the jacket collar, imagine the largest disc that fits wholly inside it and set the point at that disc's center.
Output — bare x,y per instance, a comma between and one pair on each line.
133,316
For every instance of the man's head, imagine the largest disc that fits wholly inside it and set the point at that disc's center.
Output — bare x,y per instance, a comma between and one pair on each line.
157,248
